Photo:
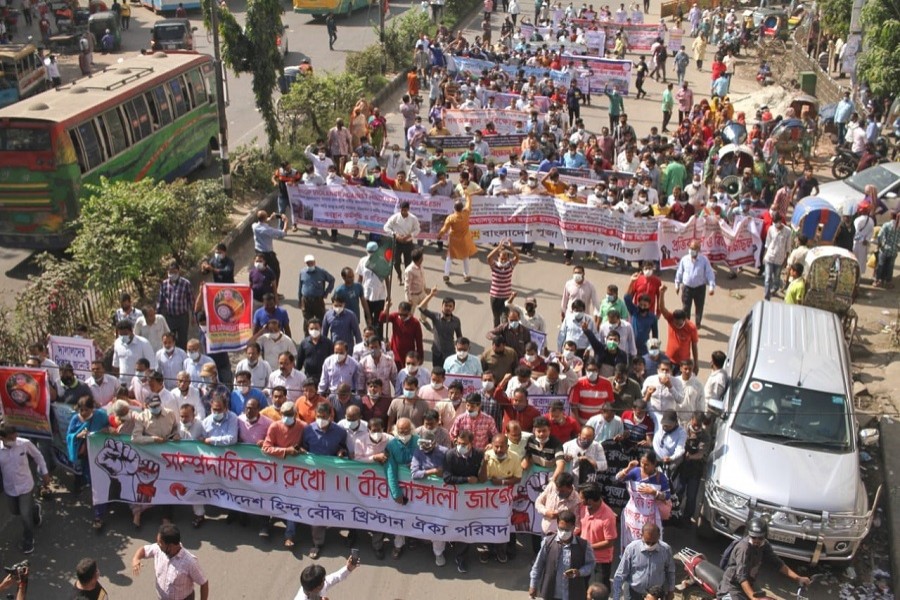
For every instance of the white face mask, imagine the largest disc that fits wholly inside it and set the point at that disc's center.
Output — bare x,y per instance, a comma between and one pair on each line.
315,333
437,385
648,272
462,355
578,278
412,369
353,425
650,547
568,354
376,437
259,265
593,376
322,423
564,535
338,310
488,386
195,356
341,356
245,389
463,450
404,438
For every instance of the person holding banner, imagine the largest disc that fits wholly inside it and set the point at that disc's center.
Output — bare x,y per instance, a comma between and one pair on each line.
460,245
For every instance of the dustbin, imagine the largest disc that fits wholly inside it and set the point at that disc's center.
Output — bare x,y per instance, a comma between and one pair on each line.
807,82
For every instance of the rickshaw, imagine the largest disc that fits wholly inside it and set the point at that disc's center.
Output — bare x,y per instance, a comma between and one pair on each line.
743,159
832,282
816,219
792,141
805,104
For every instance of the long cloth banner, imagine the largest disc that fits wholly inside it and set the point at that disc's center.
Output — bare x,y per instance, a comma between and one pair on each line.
316,490
474,66
599,74
532,219
455,146
504,121
503,100
25,398
229,309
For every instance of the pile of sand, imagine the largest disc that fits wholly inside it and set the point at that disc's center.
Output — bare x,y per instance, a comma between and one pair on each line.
775,97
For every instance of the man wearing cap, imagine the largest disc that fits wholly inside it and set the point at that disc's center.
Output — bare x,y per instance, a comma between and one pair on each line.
315,284
374,290
501,185
283,439
404,226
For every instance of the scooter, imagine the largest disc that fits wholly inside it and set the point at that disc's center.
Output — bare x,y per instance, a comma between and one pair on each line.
707,575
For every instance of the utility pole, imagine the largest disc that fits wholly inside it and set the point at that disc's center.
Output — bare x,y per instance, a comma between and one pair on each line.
220,98
382,8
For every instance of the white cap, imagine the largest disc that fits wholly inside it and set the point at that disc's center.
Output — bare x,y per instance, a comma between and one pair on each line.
309,258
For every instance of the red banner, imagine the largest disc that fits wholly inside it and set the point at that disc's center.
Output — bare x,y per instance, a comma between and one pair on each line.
229,312
25,400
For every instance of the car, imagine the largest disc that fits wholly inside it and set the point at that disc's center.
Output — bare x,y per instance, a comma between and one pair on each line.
281,40
845,194
172,34
786,446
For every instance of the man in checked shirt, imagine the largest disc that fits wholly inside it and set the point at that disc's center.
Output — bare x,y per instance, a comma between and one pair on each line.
177,570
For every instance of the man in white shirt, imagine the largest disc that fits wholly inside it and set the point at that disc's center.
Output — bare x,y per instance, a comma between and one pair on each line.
357,429
501,185
18,482
127,349
627,161
662,391
717,382
607,425
693,393
404,226
287,376
195,361
103,386
185,393
156,387
584,455
314,582
259,369
274,342
170,359
395,162
151,326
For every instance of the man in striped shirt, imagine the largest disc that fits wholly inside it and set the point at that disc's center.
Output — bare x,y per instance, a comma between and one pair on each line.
502,260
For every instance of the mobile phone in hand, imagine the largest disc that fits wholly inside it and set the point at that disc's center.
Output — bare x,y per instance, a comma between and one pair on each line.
354,556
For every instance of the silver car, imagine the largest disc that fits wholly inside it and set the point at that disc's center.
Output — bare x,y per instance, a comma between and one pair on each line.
845,194
785,445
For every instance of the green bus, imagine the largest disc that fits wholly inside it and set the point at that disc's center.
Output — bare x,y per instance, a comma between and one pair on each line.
149,116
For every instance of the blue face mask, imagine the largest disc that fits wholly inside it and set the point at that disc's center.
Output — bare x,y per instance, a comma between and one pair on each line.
409,394
288,420
218,417
156,410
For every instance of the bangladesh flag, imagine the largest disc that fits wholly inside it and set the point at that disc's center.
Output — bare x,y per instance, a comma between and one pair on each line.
382,260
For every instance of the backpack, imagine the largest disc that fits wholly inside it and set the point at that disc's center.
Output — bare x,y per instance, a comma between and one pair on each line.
726,556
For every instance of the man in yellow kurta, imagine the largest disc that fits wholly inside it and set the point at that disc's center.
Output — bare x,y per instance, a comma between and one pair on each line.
460,244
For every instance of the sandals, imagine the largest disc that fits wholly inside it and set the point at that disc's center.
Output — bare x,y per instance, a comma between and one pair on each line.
97,525
198,520
288,543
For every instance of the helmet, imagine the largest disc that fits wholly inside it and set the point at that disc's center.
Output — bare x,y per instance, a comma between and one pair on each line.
757,528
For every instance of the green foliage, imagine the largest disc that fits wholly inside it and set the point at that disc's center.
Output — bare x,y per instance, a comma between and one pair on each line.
879,61
366,64
253,167
253,49
51,300
455,10
400,38
322,98
836,16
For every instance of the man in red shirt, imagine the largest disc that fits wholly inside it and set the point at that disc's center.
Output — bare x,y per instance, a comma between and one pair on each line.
562,426
597,526
589,393
646,282
682,339
520,411
406,332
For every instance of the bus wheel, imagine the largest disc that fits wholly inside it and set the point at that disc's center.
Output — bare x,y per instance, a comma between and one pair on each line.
208,156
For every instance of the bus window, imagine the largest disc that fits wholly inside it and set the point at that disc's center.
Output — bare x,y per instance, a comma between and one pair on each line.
187,92
103,136
79,151
118,139
139,118
178,97
162,106
22,139
90,146
196,82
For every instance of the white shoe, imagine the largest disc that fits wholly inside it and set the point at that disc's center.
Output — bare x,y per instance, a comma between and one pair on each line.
439,560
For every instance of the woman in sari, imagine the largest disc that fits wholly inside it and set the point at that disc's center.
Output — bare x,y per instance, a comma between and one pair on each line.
648,488
358,122
87,420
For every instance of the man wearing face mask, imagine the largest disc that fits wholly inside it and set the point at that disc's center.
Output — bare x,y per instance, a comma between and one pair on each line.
778,246
501,467
340,324
558,380
462,465
644,322
563,564
357,429
243,393
315,285
513,334
693,276
154,425
313,350
221,425
399,453
259,369
342,400
127,349
669,440
323,438
446,327
499,359
408,405
184,392
406,332
376,364
177,570
252,426
69,388
463,363
482,426
584,456
286,375
589,393
663,391
195,361
645,563
578,288
269,311
436,391
432,425
520,411
176,299
412,369
682,337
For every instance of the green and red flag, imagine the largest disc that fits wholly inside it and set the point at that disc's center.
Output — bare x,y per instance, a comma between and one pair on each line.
382,260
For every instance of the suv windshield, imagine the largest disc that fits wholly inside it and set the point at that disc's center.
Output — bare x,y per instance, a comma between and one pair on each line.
169,33
794,416
878,176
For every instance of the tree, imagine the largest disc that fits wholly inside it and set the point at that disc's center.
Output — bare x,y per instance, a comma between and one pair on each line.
836,17
254,49
323,98
879,61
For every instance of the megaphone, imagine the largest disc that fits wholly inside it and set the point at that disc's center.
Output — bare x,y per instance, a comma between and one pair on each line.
732,185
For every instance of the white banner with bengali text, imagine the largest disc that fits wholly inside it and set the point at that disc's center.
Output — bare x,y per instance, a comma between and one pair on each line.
737,246
78,352
504,120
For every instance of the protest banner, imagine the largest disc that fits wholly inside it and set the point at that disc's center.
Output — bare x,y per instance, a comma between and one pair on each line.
470,383
364,209
595,40
640,37
676,39
78,352
618,455
504,120
26,400
62,415
604,74
456,145
503,101
229,311
542,403
733,246
539,338
314,490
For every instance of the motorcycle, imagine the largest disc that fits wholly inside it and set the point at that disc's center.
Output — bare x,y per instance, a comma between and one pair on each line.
844,163
706,575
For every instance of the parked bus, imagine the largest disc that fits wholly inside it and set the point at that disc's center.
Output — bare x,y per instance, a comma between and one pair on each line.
149,116
22,73
320,8
168,7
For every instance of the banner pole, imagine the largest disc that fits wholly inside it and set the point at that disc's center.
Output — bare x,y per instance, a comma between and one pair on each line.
390,282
